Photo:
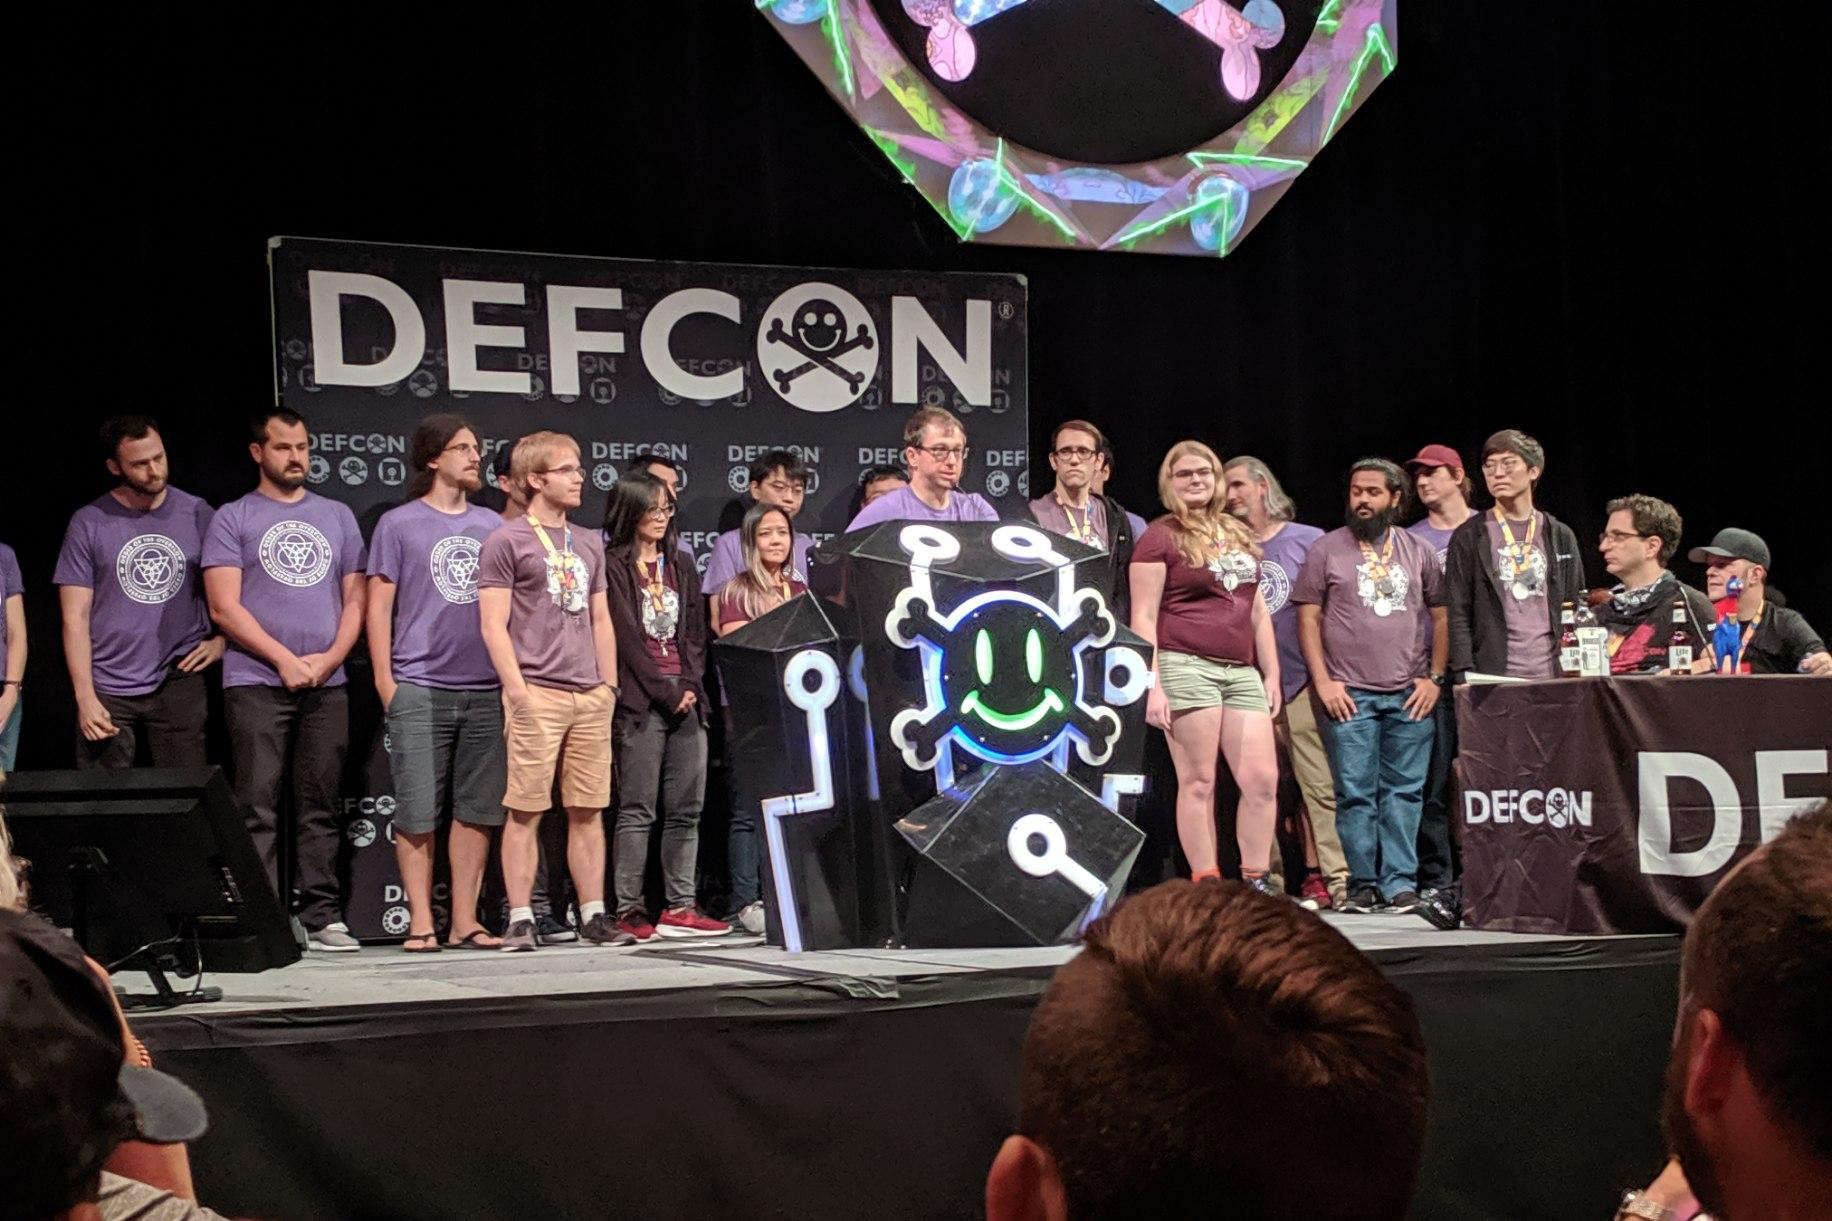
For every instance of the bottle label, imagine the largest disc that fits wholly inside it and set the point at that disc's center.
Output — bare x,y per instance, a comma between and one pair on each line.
1679,657
1568,660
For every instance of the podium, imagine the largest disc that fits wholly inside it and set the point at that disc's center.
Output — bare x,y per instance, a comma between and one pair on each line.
946,759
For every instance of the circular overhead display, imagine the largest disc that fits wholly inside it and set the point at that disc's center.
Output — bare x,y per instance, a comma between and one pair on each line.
1102,82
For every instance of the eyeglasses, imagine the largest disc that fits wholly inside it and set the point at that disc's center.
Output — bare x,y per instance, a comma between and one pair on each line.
662,511
944,453
1196,472
463,447
782,486
1503,466
570,469
1617,536
1075,453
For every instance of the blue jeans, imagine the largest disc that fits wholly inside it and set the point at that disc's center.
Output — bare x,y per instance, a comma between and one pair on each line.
9,737
1381,758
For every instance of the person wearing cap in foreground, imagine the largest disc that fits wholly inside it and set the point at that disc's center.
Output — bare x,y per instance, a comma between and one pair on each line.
1443,489
79,1107
1776,639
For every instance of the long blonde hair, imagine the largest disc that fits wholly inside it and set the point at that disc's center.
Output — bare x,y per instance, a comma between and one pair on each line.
757,594
12,883
1202,532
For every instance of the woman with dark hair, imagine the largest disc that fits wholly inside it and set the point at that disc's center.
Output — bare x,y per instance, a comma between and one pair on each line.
768,579
659,728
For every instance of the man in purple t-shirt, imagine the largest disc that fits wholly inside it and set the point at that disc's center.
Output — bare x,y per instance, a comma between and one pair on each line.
778,478
1256,497
935,448
439,692
137,635
1364,594
283,572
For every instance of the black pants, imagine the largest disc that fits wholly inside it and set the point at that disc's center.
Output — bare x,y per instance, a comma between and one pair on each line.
1438,856
293,739
169,720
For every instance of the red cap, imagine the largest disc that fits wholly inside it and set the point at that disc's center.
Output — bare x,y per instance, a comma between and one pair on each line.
1437,455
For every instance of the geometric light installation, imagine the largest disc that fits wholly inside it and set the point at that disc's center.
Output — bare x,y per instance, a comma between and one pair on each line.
1168,126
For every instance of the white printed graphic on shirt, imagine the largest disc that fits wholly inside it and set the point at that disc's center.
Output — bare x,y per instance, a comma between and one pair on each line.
150,568
1231,568
1382,603
1275,586
1534,578
295,553
455,567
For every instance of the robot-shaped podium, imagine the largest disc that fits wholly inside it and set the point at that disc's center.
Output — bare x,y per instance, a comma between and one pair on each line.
945,760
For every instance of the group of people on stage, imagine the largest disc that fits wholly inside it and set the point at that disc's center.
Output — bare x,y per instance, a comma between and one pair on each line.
518,653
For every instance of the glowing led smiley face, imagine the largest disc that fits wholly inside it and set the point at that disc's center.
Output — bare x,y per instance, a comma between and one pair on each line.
1007,671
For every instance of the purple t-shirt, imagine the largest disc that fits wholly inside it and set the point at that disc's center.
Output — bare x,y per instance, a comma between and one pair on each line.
553,644
431,559
728,559
1438,538
1530,644
1281,560
1371,636
11,584
294,556
141,566
902,505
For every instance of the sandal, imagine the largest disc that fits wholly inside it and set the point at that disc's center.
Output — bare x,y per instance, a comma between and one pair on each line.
470,941
434,948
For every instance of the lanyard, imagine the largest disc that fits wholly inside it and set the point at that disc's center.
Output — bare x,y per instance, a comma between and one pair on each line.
547,542
1377,567
1081,531
1516,552
564,568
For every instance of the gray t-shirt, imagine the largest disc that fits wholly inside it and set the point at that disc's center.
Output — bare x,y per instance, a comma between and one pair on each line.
1371,618
1053,516
431,558
123,1199
142,570
550,614
294,555
1523,597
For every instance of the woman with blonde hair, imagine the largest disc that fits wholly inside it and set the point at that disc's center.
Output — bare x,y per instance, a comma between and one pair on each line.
1196,598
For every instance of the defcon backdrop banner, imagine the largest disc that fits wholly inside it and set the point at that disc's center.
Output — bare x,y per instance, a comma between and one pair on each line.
710,364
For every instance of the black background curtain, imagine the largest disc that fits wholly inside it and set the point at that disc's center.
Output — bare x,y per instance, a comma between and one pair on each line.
1594,222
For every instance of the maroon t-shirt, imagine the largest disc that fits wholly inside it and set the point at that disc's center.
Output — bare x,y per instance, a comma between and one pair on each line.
660,614
1199,613
731,607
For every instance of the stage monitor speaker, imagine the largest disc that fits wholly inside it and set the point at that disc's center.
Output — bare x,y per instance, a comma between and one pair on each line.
149,867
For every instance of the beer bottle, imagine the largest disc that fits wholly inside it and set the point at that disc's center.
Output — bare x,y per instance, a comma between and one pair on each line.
1568,642
1679,643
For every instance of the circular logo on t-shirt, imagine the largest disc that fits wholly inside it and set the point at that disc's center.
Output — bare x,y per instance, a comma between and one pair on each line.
455,567
150,568
295,553
1275,586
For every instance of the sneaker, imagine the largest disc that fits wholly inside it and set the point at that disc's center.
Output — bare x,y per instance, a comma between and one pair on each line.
635,922
1313,895
1266,884
602,930
333,939
1443,910
519,938
551,931
690,922
750,919
1404,903
1338,894
1363,900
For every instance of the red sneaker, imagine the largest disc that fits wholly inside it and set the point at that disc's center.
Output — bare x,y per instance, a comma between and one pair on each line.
1314,893
689,922
636,923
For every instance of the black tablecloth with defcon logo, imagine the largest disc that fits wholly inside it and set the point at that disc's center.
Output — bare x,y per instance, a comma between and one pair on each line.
1614,805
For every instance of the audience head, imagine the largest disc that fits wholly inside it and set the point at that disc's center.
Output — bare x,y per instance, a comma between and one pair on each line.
1180,1062
281,446
1254,492
1639,538
444,444
1732,553
662,467
1075,454
67,1092
1438,476
935,449
1377,496
1748,1110
780,477
134,452
546,466
1512,463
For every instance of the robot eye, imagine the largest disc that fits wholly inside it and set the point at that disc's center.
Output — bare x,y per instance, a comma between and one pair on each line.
1033,655
982,656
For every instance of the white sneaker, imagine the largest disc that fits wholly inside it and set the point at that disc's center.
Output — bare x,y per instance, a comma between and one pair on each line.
751,918
333,939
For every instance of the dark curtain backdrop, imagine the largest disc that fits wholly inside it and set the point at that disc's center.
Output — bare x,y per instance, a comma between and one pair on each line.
1589,221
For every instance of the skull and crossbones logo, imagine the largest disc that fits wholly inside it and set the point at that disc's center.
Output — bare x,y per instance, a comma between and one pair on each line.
818,333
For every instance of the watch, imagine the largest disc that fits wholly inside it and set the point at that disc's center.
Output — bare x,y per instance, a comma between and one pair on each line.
1640,1204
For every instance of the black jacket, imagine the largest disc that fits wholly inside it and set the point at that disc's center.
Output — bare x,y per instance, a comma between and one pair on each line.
1115,567
1478,626
643,686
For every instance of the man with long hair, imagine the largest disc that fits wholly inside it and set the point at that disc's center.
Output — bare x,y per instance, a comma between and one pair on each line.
1372,624
137,634
547,626
283,572
1196,599
439,692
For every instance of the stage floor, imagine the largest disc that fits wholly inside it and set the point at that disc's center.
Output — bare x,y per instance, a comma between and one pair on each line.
388,977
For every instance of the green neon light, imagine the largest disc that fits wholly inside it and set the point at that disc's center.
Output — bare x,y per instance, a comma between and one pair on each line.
1164,222
1327,21
1227,223
1033,656
1375,43
1050,703
836,37
982,656
1248,159
1025,198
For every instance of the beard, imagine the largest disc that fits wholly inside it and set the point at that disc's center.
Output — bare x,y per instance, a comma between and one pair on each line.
286,475
1682,1138
1239,512
470,481
1367,529
145,487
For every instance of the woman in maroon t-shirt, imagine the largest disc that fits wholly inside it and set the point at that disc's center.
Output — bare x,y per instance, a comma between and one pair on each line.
766,543
1195,596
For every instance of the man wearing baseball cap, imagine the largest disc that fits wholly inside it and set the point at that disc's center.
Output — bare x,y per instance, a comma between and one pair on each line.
70,1095
1443,489
1776,639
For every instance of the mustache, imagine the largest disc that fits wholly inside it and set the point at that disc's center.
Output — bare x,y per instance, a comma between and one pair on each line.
1367,529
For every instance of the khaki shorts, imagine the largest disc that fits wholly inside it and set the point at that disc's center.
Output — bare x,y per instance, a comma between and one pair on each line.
1189,681
564,731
